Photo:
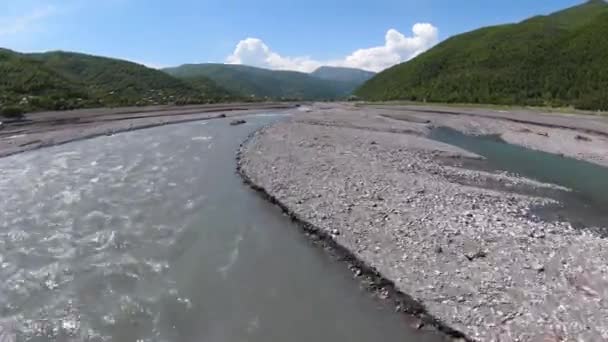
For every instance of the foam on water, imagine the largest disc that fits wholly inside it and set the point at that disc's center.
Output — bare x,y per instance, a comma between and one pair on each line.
150,236
74,248
233,257
201,138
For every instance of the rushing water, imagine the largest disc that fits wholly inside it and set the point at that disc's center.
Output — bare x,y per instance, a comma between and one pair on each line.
585,206
151,236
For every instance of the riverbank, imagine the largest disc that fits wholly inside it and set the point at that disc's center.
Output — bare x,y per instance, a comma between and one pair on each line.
150,235
38,130
472,257
419,229
488,106
575,135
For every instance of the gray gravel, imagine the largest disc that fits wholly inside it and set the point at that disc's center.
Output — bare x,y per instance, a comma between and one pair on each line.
474,257
53,128
580,137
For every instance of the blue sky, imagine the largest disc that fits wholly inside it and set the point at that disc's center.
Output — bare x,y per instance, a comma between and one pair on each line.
284,34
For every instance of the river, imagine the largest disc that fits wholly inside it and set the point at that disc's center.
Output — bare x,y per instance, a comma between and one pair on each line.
151,236
584,206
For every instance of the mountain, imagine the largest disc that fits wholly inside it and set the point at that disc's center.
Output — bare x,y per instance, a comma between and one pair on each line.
27,83
120,82
356,76
263,83
554,60
65,80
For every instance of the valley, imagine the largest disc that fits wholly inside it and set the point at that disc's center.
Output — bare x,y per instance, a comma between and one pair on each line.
434,186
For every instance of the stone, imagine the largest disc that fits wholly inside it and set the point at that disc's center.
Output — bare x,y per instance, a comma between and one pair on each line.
419,324
582,138
476,255
237,122
468,294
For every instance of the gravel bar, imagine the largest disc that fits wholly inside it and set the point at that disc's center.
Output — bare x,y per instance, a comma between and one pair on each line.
575,136
473,260
38,130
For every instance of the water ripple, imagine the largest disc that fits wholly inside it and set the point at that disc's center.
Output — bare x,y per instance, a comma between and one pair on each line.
85,232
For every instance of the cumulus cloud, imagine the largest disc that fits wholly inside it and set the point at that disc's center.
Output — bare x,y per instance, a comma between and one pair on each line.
253,51
397,48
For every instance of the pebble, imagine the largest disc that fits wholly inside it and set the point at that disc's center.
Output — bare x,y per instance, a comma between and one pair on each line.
489,229
237,122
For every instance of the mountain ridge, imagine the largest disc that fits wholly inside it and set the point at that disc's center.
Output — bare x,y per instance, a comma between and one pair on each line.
550,60
343,74
250,81
60,80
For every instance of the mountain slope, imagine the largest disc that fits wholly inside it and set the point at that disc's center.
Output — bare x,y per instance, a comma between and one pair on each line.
119,82
545,60
263,83
23,77
64,80
341,74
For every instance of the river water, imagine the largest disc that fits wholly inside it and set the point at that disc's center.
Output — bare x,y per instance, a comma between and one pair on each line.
151,236
584,206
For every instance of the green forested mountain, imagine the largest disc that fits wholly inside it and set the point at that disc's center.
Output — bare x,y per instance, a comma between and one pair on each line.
120,82
62,80
26,83
555,60
263,83
341,74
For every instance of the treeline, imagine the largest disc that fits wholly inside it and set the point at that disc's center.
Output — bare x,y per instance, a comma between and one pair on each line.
258,83
556,60
62,81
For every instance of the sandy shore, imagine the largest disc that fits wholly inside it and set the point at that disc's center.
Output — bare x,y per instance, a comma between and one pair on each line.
51,128
474,257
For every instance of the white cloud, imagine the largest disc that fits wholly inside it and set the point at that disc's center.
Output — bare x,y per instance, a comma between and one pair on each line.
253,51
22,23
397,48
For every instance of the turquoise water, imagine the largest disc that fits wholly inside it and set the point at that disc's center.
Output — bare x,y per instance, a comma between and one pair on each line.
584,206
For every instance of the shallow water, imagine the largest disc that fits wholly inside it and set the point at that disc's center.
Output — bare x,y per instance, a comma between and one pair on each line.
151,236
585,206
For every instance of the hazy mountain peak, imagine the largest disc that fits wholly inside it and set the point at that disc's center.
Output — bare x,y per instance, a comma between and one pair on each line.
257,82
343,74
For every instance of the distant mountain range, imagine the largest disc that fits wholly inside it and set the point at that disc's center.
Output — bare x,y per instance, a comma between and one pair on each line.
555,60
326,83
354,76
64,80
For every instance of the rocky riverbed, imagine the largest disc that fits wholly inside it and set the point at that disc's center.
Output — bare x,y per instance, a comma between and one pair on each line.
583,137
37,130
463,243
